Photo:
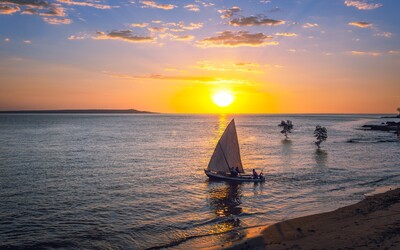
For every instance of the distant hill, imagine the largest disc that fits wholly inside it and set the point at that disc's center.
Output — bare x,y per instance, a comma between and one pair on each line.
78,111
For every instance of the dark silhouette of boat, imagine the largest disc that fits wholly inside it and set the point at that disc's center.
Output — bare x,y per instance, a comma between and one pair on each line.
225,163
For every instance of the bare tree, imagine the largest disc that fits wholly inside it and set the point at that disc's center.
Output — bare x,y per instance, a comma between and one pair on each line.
321,134
286,127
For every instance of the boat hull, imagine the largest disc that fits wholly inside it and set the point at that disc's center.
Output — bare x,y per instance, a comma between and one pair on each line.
248,178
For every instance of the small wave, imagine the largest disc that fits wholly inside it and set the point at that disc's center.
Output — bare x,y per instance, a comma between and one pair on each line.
378,180
184,239
372,140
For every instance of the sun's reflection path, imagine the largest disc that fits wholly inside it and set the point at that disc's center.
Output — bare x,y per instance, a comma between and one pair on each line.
222,122
225,201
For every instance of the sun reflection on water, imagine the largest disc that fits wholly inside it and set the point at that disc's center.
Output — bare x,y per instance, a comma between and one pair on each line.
225,201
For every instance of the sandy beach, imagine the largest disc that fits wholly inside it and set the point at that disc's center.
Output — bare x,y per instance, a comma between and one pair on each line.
373,223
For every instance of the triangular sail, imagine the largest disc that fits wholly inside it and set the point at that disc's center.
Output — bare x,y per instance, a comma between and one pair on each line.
226,154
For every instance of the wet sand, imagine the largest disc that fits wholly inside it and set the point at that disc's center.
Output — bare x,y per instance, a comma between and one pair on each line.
373,223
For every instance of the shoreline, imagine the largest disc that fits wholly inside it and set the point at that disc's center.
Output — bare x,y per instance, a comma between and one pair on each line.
371,223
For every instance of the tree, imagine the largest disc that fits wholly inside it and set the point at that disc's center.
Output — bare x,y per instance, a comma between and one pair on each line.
286,127
398,110
321,134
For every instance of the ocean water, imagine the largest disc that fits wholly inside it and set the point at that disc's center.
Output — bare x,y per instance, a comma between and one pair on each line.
137,181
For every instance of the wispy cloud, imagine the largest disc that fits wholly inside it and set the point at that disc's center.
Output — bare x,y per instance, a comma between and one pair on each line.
229,12
385,34
157,29
163,77
139,25
394,52
247,67
362,5
28,3
237,39
29,11
153,4
8,10
57,21
192,7
7,40
310,25
87,3
182,38
123,35
365,53
286,34
360,24
52,13
255,21
183,26
77,37
27,41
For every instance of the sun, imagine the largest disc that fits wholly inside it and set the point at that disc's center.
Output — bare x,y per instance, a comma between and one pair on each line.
223,98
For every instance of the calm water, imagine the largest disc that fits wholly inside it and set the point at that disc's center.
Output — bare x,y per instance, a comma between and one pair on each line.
137,181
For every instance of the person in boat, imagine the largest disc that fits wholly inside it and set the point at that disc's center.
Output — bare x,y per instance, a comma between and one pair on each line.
234,172
255,175
237,171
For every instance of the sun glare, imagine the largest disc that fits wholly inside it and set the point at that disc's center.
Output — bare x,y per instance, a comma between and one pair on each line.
223,98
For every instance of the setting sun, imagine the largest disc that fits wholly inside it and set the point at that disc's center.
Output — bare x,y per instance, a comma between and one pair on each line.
223,98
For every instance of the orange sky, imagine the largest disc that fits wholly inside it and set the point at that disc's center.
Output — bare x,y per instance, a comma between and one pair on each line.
273,56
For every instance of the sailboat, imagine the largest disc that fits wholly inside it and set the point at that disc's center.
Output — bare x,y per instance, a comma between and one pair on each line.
226,157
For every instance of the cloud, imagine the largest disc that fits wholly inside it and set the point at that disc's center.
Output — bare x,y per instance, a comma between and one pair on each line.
365,53
247,67
29,3
8,10
286,34
204,79
50,12
183,26
7,40
394,52
384,34
255,21
89,4
310,25
29,11
139,25
182,38
73,37
28,41
362,5
205,4
192,7
55,10
157,29
236,39
57,21
229,12
153,4
123,35
360,24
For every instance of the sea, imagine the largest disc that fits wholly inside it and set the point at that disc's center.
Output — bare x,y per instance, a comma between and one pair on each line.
136,181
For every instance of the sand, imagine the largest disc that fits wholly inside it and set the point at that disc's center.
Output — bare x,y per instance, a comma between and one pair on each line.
373,223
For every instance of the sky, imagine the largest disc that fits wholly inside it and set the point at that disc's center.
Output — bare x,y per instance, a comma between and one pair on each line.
172,56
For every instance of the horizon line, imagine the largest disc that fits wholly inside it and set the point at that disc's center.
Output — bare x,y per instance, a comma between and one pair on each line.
133,111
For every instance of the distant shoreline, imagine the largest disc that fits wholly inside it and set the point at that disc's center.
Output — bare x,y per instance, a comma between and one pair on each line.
79,111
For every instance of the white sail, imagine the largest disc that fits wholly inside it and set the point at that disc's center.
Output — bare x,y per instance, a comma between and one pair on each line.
226,154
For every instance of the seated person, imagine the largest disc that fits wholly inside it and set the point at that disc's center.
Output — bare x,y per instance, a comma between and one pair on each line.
255,175
234,173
